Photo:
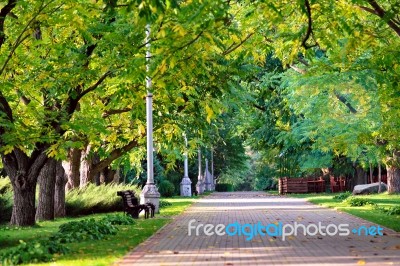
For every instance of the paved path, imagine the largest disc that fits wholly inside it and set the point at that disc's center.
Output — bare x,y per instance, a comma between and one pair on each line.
172,245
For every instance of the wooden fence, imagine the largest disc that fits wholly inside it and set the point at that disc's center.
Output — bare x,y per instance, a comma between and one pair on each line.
292,185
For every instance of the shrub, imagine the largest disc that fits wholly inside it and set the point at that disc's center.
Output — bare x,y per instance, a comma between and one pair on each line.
164,203
342,196
5,207
393,210
43,251
5,200
82,230
119,219
5,185
357,202
96,199
166,188
224,187
32,252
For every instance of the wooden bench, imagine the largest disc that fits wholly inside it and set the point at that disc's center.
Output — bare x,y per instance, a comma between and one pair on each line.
132,206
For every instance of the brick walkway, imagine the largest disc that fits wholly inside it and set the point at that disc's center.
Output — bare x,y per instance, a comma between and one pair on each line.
172,245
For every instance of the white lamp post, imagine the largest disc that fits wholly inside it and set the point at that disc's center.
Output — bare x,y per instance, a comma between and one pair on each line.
200,182
207,177
186,184
212,171
150,192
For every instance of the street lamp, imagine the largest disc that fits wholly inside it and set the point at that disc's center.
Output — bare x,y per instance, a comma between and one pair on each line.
150,192
200,182
186,184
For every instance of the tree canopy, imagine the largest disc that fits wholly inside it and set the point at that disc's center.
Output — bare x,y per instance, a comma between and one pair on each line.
315,79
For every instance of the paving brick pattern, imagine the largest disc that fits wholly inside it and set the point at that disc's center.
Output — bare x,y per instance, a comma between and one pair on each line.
172,245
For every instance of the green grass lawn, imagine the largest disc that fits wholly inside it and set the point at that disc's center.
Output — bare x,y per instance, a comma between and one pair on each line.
96,252
366,212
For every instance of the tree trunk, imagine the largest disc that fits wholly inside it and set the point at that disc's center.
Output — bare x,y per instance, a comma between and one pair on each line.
379,177
103,176
85,167
370,173
47,183
393,173
393,179
116,178
59,197
71,168
107,175
23,212
110,175
360,176
23,171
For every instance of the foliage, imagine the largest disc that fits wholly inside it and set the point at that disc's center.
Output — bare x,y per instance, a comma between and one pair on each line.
357,202
119,219
74,231
164,203
392,210
265,172
87,253
166,188
231,159
224,187
5,185
138,176
32,252
5,207
74,75
342,196
5,200
96,199
88,229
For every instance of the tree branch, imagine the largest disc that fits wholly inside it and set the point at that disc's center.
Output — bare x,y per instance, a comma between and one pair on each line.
21,36
191,42
303,61
338,96
380,12
113,155
344,100
261,108
94,86
370,10
115,111
233,48
72,102
37,160
309,27
298,70
5,108
6,10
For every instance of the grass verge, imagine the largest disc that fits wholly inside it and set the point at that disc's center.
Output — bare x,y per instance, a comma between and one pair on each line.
95,252
367,212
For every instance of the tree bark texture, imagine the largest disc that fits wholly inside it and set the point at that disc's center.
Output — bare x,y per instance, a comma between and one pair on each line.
47,183
85,167
71,167
23,171
60,188
393,173
360,176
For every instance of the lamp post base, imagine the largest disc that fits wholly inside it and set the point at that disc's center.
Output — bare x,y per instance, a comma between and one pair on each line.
200,187
150,194
186,187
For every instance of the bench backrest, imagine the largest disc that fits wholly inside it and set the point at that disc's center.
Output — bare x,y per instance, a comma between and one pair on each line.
128,198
